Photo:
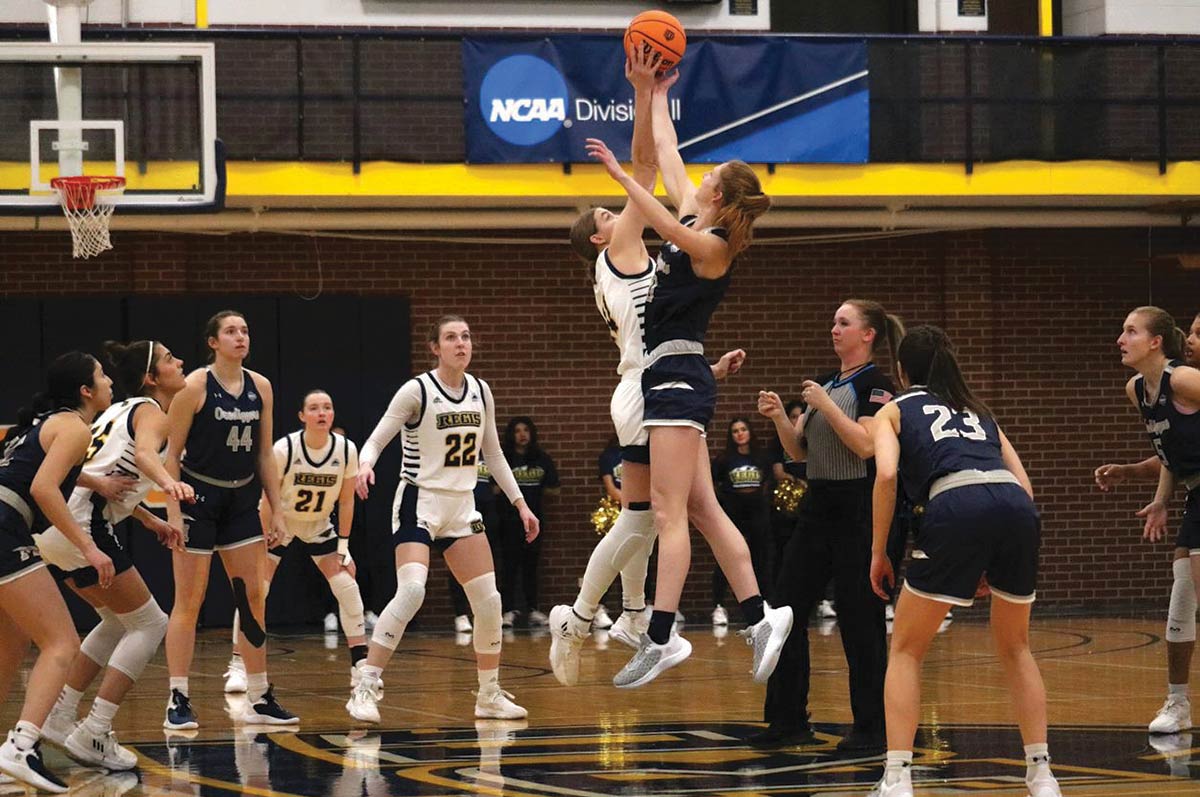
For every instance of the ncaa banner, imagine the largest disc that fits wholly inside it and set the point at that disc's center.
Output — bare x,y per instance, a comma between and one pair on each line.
762,100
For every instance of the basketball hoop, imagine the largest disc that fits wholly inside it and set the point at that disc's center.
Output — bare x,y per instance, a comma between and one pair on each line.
84,201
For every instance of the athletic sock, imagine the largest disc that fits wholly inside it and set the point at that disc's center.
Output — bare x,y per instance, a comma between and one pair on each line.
69,699
180,685
100,719
1177,690
26,735
489,679
660,626
256,686
752,609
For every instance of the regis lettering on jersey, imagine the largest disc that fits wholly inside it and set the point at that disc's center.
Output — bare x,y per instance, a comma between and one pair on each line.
449,420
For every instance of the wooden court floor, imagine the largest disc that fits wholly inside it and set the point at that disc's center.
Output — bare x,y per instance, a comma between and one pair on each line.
682,735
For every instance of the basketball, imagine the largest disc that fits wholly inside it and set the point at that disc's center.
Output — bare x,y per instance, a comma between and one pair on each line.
660,32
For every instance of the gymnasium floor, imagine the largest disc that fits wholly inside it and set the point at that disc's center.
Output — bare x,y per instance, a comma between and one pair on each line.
679,736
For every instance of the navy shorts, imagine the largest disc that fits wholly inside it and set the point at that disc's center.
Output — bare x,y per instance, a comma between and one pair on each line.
968,531
313,549
679,390
1189,527
222,517
18,552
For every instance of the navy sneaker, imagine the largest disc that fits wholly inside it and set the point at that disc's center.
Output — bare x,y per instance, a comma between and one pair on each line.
180,714
27,767
267,711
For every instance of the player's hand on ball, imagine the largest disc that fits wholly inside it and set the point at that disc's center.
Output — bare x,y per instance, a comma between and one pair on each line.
665,82
640,67
599,151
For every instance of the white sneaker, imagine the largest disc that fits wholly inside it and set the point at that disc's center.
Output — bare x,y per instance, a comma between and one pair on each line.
601,620
825,610
331,623
462,624
363,704
506,619
1174,716
99,749
889,612
651,660
58,725
538,618
370,619
766,637
356,676
27,767
494,703
567,634
1043,783
901,787
630,626
720,616
235,678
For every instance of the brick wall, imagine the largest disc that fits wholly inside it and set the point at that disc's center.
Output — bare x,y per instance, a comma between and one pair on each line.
1035,313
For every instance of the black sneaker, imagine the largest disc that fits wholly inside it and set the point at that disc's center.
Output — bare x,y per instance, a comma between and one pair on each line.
27,766
180,715
775,736
267,711
862,742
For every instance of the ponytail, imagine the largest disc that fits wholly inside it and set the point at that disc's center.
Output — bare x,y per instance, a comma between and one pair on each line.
927,357
889,328
1161,324
742,202
129,364
64,377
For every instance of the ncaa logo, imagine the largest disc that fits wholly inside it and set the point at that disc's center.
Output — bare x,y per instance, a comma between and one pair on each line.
523,99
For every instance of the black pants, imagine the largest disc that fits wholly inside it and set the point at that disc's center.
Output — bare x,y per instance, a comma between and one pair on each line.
750,515
521,563
783,526
491,522
832,541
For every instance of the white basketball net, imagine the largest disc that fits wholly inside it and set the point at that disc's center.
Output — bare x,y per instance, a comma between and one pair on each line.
88,211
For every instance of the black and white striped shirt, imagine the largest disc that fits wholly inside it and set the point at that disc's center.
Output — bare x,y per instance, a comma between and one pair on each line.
862,394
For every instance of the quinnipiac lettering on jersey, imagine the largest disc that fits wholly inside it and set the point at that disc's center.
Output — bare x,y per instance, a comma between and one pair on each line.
936,440
1175,435
221,443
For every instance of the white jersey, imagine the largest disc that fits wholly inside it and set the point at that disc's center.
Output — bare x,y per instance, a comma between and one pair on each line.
621,299
442,445
112,452
312,479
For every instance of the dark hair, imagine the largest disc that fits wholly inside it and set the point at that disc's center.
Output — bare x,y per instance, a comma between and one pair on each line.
582,231
888,328
213,328
928,359
435,331
1162,324
311,391
64,377
730,446
509,445
742,201
126,363
793,404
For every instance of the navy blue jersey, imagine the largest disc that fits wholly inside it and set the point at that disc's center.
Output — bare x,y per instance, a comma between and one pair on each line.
223,441
1174,434
681,303
20,459
609,464
936,440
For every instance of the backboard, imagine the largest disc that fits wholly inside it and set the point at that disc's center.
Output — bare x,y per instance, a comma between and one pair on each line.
145,111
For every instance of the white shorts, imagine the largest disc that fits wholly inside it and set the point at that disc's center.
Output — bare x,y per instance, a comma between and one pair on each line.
626,408
57,550
423,515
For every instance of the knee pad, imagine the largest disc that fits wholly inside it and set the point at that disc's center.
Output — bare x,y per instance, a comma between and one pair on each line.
485,605
102,640
145,628
410,594
637,538
252,632
1181,614
350,605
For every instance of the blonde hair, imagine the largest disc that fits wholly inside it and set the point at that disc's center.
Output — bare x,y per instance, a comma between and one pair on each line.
1162,324
888,328
742,201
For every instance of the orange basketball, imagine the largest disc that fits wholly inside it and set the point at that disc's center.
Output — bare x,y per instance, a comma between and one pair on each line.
660,32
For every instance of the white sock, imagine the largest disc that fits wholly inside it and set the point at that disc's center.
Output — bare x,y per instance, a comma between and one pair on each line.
1036,756
626,539
1177,690
68,700
489,679
898,761
236,663
370,670
101,717
256,686
180,684
26,735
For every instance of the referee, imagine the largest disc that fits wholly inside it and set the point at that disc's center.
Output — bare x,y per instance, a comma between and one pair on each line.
833,536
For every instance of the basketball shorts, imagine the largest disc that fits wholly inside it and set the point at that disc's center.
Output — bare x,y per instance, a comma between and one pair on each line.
972,530
224,517
626,409
19,553
1189,526
436,518
313,537
68,562
679,390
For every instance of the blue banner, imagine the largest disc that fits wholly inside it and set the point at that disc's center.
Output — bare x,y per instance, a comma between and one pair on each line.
763,100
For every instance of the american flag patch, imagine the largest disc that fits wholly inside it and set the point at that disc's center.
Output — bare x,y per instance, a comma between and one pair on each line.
879,396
